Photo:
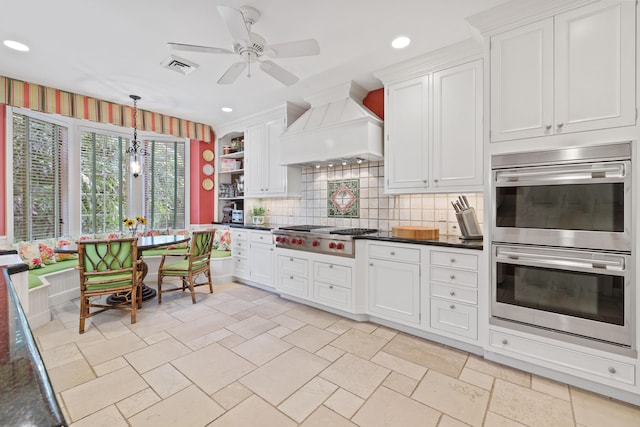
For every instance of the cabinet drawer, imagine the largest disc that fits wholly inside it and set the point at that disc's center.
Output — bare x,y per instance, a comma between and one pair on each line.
573,362
290,265
455,318
239,252
261,237
454,293
293,285
238,235
331,295
456,260
453,276
334,274
239,245
241,267
395,253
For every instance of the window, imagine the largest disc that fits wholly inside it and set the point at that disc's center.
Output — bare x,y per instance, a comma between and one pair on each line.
164,190
105,181
39,171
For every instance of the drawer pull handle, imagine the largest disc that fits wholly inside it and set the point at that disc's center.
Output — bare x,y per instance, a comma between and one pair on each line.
504,341
452,260
291,277
370,264
452,307
452,293
330,286
291,259
392,253
612,370
330,265
453,276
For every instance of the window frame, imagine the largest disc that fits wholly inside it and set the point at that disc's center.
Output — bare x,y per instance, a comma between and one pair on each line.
73,186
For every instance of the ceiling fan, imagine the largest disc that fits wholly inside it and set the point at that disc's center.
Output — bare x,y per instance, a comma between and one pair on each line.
251,47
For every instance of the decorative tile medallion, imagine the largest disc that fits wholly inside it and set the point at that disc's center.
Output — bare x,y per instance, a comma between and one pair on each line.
344,198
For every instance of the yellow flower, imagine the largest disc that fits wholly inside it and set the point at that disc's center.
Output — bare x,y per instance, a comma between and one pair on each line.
141,220
129,222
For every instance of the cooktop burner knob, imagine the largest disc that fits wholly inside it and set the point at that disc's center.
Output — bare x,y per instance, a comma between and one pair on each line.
283,240
339,246
300,241
278,239
332,245
315,243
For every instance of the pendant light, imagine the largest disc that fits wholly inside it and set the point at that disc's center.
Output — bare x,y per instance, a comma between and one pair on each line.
135,150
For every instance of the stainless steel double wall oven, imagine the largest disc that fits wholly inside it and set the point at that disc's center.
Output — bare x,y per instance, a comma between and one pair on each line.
562,243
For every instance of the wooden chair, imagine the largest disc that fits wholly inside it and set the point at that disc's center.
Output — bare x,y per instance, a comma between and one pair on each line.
109,267
195,261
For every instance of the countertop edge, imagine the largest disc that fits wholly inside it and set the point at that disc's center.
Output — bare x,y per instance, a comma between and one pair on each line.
444,241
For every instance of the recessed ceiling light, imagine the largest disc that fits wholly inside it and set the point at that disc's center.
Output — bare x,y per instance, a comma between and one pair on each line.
227,109
401,42
16,45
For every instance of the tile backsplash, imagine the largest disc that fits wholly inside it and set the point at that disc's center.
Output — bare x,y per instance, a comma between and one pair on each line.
376,209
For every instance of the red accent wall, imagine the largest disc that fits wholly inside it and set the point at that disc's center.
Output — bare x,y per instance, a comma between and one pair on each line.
374,101
3,164
202,201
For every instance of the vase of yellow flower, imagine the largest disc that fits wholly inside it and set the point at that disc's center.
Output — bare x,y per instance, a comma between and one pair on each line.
134,224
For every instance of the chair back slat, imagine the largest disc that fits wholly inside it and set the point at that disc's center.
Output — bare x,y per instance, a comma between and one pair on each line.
202,243
107,255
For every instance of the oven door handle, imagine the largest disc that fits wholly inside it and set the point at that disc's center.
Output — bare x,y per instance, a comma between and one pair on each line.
565,261
616,170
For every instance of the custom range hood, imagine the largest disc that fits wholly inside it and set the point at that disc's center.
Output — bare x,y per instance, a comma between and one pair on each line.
336,129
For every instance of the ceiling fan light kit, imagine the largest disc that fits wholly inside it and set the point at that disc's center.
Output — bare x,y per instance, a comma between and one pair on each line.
251,46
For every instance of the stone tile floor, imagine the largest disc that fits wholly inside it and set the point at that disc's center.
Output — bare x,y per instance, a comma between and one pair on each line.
245,357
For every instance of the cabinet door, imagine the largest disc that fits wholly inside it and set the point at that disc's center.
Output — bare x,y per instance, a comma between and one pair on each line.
595,67
254,152
457,127
261,261
407,135
273,173
522,82
394,290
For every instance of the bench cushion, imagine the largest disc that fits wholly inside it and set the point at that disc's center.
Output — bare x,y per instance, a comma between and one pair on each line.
34,275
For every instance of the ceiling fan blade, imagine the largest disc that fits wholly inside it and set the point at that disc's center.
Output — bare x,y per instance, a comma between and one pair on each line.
278,73
234,20
306,47
194,48
232,73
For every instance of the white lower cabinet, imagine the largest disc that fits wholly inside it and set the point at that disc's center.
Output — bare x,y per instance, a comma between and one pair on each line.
261,257
596,365
293,276
394,283
253,256
240,253
322,279
453,293
332,285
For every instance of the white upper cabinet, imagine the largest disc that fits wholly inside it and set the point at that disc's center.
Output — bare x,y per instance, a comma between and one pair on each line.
457,126
568,73
265,177
407,135
433,122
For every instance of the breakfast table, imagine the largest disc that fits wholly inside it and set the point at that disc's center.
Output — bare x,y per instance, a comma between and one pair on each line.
144,243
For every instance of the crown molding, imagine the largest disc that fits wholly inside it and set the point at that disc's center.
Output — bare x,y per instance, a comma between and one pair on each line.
520,12
457,53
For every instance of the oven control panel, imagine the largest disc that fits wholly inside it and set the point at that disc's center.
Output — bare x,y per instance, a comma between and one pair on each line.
326,244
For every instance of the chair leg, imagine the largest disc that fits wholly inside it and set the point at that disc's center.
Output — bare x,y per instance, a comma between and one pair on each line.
192,288
208,274
159,289
134,303
83,304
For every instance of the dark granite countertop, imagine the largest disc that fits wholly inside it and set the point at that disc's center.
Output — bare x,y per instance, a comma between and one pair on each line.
246,226
26,395
447,241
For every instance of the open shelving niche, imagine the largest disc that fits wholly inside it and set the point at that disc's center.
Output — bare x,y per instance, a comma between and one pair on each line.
229,177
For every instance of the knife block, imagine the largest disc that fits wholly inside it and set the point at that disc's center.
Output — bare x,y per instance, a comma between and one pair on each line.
469,226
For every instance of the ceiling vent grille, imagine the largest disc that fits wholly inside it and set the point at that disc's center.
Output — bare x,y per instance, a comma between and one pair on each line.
179,65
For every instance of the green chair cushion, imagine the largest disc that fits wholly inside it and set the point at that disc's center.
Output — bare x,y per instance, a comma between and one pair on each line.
94,283
181,267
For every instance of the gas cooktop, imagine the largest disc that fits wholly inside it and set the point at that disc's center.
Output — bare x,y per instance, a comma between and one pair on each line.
324,229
